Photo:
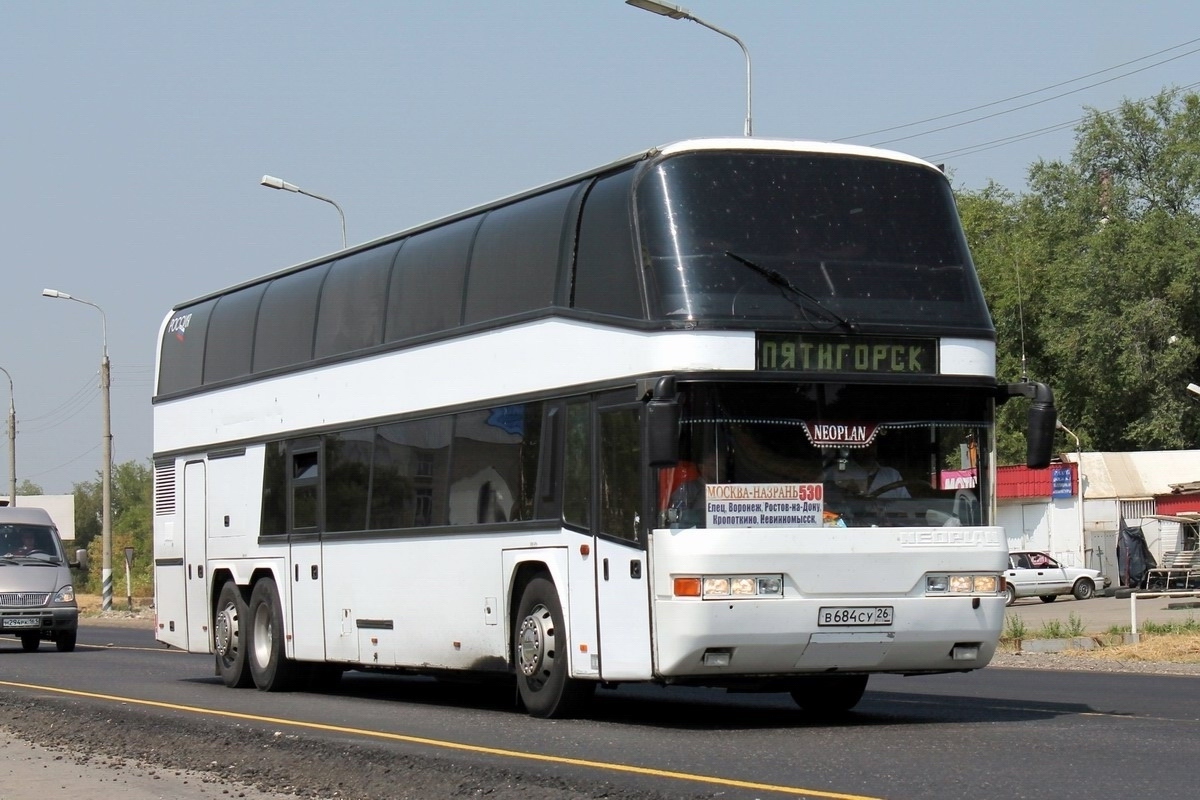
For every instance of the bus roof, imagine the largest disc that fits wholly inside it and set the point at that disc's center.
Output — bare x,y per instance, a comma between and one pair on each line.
675,148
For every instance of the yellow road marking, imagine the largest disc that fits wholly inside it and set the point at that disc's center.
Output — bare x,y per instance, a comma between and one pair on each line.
447,745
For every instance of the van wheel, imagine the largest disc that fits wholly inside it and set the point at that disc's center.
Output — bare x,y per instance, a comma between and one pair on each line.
65,641
540,655
271,669
229,637
30,642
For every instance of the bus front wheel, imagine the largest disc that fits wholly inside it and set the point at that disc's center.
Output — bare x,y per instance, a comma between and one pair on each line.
229,638
270,667
829,695
540,654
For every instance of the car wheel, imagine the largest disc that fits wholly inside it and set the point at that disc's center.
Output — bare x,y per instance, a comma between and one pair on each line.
1010,592
30,642
1084,589
1048,598
65,641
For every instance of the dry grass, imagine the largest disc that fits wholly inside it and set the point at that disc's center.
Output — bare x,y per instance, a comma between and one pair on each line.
1171,648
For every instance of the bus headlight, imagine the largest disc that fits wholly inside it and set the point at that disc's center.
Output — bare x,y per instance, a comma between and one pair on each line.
729,586
969,583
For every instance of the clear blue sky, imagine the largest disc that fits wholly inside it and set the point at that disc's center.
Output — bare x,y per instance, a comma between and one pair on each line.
134,135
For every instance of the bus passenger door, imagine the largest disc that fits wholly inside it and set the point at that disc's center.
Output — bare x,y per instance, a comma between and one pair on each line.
195,554
622,574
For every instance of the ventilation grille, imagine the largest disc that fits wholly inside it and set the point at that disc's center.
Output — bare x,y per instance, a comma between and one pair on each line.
164,488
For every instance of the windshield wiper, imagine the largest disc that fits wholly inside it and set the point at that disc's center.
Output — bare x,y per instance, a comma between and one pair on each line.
778,279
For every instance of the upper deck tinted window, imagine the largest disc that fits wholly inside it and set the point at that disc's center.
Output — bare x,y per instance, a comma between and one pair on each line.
427,281
515,260
231,334
875,241
181,359
286,319
353,301
606,275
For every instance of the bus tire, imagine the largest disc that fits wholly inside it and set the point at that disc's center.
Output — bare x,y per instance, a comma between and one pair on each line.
829,695
30,642
270,667
64,641
229,637
540,655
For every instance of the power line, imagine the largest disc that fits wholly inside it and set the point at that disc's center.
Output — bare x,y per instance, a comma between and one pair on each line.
1039,91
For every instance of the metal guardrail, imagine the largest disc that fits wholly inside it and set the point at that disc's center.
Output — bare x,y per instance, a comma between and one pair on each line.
1135,636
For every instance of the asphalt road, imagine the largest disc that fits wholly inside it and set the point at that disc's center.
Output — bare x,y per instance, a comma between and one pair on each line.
991,731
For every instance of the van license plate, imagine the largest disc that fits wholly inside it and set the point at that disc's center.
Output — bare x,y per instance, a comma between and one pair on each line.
855,615
22,622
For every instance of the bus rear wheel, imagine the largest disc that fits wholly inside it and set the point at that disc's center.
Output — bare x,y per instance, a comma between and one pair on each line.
270,667
540,655
229,639
829,695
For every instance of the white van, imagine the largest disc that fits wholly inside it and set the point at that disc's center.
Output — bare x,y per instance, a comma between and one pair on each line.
37,598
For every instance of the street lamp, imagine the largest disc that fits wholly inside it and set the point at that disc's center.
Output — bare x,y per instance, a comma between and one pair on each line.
278,183
1079,467
106,580
12,441
675,12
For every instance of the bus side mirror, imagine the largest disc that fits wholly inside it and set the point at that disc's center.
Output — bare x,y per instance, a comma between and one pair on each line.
1039,435
81,559
662,432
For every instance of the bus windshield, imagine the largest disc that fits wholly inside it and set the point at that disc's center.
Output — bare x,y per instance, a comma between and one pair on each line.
828,455
825,241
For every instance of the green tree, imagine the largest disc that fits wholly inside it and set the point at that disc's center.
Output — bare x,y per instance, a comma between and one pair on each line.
132,515
28,487
1104,248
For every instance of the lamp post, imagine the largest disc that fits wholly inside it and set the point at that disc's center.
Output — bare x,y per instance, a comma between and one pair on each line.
12,441
676,12
1079,468
278,183
106,580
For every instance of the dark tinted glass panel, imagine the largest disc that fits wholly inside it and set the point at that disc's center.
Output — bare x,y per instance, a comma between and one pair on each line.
606,274
619,456
274,501
353,300
427,282
286,319
408,477
347,479
494,470
515,260
181,359
727,236
231,335
577,486
306,477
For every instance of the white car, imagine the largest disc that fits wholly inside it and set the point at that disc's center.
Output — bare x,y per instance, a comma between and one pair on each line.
1032,573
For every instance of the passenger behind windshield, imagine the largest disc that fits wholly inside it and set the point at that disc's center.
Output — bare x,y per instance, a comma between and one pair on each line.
25,541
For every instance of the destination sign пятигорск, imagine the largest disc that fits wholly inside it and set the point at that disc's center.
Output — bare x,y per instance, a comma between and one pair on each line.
804,352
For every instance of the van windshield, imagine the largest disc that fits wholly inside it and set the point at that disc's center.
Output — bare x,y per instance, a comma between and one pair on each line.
28,541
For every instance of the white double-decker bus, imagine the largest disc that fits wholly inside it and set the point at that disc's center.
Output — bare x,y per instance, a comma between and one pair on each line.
720,413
